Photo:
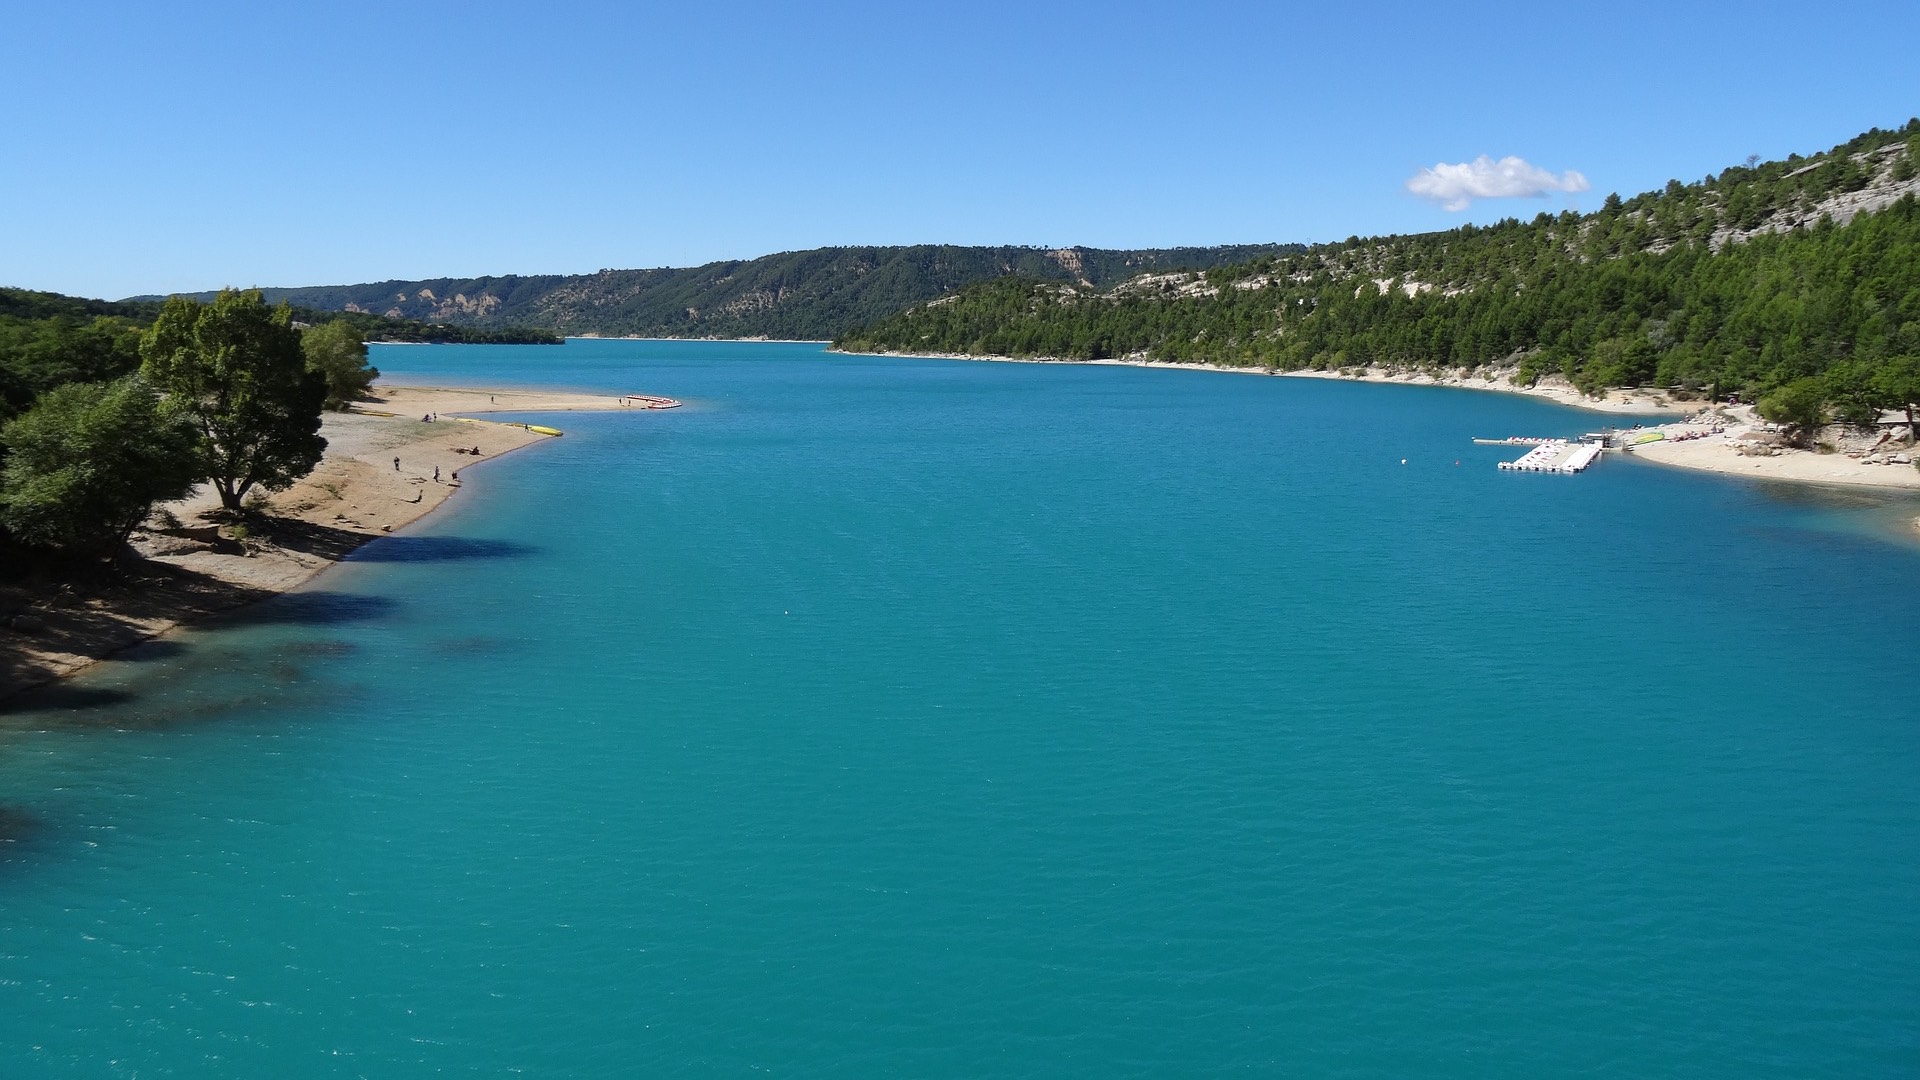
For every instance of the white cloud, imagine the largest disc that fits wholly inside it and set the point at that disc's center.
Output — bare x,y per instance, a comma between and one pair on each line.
1455,187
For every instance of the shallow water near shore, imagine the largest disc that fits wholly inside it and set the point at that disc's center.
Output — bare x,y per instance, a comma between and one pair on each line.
877,717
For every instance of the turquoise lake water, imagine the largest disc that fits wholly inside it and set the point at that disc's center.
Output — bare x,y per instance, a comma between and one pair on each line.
874,717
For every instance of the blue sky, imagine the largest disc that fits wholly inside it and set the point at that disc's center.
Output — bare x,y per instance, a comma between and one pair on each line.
151,148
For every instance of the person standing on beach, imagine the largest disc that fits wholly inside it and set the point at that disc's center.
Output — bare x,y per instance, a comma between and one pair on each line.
436,474
396,464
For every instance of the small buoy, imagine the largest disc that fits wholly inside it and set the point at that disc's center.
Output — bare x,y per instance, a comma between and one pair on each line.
1403,461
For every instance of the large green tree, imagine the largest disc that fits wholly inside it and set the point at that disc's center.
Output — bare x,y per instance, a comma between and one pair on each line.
1801,405
1854,389
89,460
1898,387
236,367
337,351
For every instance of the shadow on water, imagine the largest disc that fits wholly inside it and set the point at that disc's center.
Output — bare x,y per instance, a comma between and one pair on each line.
64,697
17,824
265,697
317,608
148,651
183,692
324,649
429,549
1830,496
342,544
21,830
1878,514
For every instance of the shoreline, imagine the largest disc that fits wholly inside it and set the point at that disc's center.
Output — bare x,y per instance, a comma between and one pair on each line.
1645,402
354,496
358,494
1742,448
754,340
1700,452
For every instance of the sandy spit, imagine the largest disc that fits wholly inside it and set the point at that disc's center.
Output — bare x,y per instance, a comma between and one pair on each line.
356,494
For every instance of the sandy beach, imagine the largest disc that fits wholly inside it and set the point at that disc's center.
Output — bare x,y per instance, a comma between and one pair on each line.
357,493
1736,442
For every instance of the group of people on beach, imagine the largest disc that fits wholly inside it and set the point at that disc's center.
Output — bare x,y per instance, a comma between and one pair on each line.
1684,436
1715,424
436,469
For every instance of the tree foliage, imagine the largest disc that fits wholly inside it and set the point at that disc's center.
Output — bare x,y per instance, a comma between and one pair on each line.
235,366
338,353
415,331
1800,404
38,354
1896,385
89,460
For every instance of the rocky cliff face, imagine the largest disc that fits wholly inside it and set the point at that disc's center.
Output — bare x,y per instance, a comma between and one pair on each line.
1883,188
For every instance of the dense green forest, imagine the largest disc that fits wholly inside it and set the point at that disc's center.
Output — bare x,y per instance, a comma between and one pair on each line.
811,295
1740,282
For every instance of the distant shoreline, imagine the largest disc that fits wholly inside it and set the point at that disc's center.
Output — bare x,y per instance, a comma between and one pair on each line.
638,337
1559,391
628,337
1708,453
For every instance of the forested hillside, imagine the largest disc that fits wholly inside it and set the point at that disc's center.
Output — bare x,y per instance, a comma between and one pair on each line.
1755,279
56,314
813,294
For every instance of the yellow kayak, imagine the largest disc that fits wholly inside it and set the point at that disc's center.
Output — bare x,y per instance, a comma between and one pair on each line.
538,430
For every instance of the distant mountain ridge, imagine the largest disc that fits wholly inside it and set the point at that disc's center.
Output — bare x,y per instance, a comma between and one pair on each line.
815,294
